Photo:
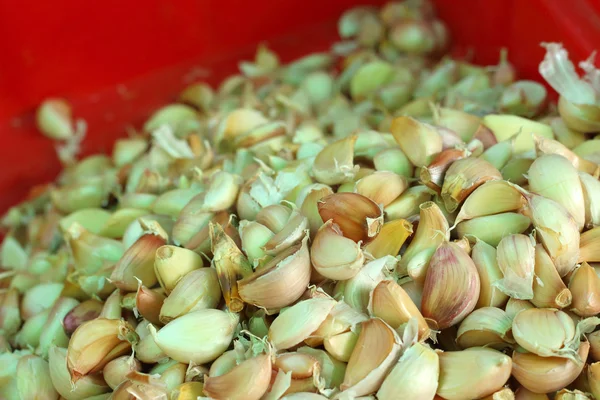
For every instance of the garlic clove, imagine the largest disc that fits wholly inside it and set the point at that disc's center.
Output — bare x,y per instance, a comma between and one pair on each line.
87,386
376,351
463,177
392,236
516,260
382,187
298,322
554,177
115,372
420,142
390,302
585,290
556,230
171,263
358,217
431,232
492,229
485,327
473,373
548,288
546,332
335,163
335,256
415,375
589,246
485,259
197,290
95,343
307,202
408,203
281,281
492,197
547,374
248,380
200,336
451,286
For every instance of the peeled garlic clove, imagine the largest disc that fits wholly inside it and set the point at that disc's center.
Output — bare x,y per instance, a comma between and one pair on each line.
484,258
473,373
171,263
516,260
547,374
115,371
392,236
10,316
407,205
382,187
281,281
335,256
431,232
298,322
376,351
420,142
95,343
254,236
523,394
221,193
53,332
200,336
55,120
554,177
591,197
341,345
146,350
341,319
463,177
585,290
589,247
198,289
393,160
545,332
492,197
248,380
33,379
493,228
414,376
335,163
307,201
499,154
451,286
29,334
390,302
292,233
87,386
138,262
485,327
548,288
37,299
358,217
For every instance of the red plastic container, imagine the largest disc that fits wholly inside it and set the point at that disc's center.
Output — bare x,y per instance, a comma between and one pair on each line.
118,60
